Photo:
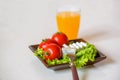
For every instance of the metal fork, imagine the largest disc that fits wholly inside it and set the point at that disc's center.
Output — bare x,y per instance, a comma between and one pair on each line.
71,54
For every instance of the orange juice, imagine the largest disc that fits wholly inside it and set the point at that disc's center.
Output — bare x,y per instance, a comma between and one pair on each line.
68,23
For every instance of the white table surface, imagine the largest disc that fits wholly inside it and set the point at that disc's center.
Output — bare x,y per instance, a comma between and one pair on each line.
26,22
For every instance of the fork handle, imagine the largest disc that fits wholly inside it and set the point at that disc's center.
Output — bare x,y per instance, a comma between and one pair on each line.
74,72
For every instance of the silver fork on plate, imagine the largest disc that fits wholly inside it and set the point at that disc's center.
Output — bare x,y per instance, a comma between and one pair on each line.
71,54
70,51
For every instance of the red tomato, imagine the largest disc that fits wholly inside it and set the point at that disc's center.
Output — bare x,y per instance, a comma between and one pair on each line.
52,51
60,38
45,42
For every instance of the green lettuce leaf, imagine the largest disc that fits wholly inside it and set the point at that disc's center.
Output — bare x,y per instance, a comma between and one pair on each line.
84,55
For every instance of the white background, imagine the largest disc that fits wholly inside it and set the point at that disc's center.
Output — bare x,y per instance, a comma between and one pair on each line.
26,22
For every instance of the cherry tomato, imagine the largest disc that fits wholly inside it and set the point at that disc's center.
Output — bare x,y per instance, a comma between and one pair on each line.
45,42
52,51
60,38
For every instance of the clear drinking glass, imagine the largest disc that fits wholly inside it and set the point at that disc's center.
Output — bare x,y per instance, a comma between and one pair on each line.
68,20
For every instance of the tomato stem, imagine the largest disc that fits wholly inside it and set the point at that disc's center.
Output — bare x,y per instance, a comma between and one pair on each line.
43,40
47,53
58,32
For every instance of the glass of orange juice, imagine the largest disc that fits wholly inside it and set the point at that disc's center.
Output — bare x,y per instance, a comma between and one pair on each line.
68,21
